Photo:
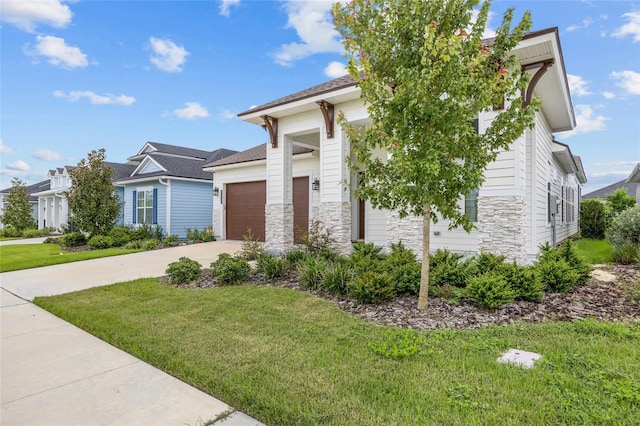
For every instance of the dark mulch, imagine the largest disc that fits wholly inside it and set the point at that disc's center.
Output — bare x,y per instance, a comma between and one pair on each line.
596,299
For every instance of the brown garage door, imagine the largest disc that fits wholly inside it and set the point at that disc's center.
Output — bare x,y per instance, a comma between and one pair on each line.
245,209
300,207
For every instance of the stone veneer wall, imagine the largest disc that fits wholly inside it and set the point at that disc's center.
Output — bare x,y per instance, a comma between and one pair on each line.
217,222
503,226
407,230
336,217
279,226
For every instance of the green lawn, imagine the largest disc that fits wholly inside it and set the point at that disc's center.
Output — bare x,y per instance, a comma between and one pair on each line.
24,256
595,251
286,358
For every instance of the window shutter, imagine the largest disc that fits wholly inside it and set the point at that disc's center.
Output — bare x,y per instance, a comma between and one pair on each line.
135,205
155,206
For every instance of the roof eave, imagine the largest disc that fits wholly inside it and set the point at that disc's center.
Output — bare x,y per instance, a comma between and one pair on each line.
634,177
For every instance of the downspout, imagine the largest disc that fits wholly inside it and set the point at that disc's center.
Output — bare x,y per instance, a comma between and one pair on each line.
167,183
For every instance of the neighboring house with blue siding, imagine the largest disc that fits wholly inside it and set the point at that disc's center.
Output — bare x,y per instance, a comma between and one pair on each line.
168,188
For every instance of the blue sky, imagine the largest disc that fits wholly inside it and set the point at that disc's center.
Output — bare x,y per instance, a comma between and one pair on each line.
83,75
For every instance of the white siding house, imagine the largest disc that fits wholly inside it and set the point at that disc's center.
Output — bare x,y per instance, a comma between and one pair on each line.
513,211
634,177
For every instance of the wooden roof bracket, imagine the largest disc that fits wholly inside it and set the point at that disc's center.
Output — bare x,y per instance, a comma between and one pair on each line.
328,114
271,125
542,66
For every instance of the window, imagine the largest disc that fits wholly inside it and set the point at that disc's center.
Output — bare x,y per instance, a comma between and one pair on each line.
471,205
145,206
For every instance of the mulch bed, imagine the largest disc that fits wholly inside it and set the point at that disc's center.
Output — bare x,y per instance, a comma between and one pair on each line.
606,301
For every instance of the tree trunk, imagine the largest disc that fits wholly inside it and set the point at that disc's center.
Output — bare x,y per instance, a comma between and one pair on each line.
424,277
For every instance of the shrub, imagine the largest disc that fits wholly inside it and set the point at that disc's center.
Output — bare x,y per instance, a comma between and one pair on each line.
448,292
404,269
146,231
31,233
134,245
120,236
230,269
195,236
10,232
619,201
488,262
366,257
170,240
150,244
569,253
273,266
319,242
556,275
251,247
593,219
336,278
625,228
489,290
74,239
53,240
99,242
183,271
448,269
311,271
524,281
625,253
372,287
443,256
295,257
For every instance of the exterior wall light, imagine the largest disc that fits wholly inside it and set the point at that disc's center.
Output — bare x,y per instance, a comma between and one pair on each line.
216,191
315,185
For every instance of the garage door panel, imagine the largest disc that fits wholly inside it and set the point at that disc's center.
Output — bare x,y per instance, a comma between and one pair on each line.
245,209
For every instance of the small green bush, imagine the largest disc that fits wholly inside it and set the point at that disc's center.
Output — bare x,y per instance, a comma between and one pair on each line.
10,232
100,242
593,219
625,228
336,278
230,269
524,281
273,266
170,240
569,253
295,257
251,247
196,236
556,275
150,244
74,239
310,273
443,256
319,242
448,292
183,271
372,287
488,262
120,236
53,240
626,254
404,269
31,233
447,268
134,245
490,290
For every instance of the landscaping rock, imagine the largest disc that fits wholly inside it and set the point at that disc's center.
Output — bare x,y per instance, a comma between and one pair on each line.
520,358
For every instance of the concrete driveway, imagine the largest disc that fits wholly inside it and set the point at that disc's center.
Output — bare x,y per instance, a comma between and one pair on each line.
53,373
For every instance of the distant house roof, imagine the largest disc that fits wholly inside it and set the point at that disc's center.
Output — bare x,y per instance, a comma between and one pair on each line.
190,168
179,151
121,170
602,192
32,189
634,177
252,154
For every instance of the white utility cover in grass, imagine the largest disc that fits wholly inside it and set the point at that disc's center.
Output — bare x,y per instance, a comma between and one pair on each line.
523,359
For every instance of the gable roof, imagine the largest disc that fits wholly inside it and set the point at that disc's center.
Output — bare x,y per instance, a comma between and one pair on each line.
610,189
122,170
163,148
32,189
252,154
634,177
190,168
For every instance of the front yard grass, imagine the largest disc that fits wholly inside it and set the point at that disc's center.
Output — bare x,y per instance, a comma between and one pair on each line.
286,357
595,251
14,257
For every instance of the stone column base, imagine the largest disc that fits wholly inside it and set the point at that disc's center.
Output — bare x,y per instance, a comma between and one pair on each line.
336,218
279,226
408,230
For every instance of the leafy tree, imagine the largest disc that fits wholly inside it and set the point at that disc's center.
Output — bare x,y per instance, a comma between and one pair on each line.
92,198
619,201
18,211
593,219
425,74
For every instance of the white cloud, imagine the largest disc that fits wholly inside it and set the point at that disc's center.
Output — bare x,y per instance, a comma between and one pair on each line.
628,80
46,154
578,85
225,6
587,121
58,52
167,55
27,15
94,98
313,23
584,24
609,95
191,110
226,115
19,166
632,27
335,69
5,150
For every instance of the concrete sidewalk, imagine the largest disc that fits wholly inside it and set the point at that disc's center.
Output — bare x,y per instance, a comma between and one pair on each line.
53,373
68,277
